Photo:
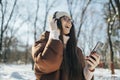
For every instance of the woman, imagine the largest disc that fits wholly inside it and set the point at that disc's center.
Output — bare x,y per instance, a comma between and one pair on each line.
57,56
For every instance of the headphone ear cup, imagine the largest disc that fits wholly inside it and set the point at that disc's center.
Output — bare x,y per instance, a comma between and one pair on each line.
54,16
59,23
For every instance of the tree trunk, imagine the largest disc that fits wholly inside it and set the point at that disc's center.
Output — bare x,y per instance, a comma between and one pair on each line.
111,50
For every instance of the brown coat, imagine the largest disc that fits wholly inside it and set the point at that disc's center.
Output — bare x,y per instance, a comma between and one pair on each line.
48,56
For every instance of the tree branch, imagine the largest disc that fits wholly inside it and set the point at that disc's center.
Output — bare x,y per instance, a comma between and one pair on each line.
113,6
81,19
36,18
11,14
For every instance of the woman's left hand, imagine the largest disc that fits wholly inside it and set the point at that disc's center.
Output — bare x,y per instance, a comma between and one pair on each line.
92,61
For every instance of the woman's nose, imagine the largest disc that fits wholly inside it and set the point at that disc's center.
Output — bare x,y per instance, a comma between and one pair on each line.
69,23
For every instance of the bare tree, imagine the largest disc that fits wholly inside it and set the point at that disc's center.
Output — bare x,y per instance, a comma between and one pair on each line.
72,5
117,3
35,26
48,7
112,18
71,9
0,1
35,22
27,45
82,19
3,25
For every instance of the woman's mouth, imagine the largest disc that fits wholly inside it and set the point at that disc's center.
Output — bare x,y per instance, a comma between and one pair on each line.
66,27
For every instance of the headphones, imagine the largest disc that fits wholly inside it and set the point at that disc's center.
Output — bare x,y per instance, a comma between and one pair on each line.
58,21
54,16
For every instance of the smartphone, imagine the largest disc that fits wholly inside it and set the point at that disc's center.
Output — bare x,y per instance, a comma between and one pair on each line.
97,48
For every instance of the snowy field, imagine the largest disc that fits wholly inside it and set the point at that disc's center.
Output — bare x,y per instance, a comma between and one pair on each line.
24,72
16,72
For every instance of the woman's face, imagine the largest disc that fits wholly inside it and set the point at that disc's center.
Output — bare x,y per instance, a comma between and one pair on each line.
66,24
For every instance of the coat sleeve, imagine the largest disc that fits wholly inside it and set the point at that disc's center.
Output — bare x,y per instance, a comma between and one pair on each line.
50,58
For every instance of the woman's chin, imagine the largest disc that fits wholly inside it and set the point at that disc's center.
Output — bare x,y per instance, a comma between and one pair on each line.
66,33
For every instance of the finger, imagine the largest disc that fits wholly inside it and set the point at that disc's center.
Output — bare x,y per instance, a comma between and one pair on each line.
55,22
96,58
90,63
52,21
92,60
97,54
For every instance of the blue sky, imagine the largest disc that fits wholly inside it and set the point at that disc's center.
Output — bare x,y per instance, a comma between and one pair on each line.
94,20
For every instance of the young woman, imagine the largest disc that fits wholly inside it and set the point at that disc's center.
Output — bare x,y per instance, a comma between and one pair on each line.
57,56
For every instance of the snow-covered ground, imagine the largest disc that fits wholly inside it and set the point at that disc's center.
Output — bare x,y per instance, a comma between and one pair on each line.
105,74
24,72
16,72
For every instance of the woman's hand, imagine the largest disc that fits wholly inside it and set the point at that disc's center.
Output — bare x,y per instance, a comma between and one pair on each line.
53,25
92,61
54,31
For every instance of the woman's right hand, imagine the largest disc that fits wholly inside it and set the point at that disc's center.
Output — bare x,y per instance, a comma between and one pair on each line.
53,24
54,31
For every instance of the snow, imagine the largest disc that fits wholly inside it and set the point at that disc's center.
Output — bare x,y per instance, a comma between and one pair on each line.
16,72
105,74
24,72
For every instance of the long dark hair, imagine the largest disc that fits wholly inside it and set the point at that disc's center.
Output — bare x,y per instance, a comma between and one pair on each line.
72,66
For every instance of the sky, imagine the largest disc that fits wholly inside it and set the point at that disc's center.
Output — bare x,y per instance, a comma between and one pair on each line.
31,9
28,7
